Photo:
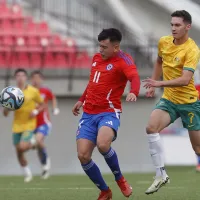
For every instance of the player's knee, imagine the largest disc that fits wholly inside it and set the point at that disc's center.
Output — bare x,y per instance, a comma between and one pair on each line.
197,150
40,143
22,147
151,129
103,147
84,158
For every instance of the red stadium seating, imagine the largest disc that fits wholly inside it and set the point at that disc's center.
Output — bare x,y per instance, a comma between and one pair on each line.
25,43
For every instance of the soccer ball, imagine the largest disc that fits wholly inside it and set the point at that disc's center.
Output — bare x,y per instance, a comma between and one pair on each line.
11,98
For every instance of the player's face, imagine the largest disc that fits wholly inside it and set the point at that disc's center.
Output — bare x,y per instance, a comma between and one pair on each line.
36,80
21,78
179,27
107,49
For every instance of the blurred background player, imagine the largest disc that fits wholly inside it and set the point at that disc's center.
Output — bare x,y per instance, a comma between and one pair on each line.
98,126
43,120
24,122
178,56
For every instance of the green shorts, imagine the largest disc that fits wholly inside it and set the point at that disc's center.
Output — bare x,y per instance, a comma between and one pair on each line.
24,136
189,113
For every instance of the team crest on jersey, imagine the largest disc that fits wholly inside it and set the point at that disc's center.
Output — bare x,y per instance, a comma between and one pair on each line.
109,67
177,59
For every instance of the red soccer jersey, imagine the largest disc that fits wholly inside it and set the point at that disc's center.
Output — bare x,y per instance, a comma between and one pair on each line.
107,82
198,89
44,117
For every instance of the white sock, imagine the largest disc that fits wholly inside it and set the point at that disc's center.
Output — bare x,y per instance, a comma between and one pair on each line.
157,154
27,171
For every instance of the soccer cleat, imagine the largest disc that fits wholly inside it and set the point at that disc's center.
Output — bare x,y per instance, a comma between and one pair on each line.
198,168
46,168
157,184
125,188
105,195
45,175
28,178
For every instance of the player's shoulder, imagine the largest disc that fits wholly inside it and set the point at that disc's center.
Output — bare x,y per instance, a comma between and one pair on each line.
125,58
166,39
97,57
192,45
45,89
32,88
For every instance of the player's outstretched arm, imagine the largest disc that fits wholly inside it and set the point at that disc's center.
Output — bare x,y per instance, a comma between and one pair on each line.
79,104
157,71
56,110
184,80
156,75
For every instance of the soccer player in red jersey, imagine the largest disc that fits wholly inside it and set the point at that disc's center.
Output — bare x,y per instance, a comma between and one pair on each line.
101,101
43,120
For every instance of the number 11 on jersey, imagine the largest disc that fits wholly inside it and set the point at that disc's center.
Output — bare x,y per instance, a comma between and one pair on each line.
96,77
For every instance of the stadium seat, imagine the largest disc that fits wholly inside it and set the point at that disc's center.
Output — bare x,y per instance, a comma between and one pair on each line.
16,12
25,43
4,11
6,27
61,60
42,29
2,60
18,28
35,60
7,40
49,61
23,59
30,28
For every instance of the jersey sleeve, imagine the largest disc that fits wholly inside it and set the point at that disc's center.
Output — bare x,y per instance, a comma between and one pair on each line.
160,44
130,71
191,59
37,98
50,94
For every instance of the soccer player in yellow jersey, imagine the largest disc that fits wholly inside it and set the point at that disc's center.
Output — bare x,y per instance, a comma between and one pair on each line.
24,122
178,56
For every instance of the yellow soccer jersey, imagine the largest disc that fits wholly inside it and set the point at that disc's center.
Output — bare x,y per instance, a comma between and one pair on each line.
22,121
177,58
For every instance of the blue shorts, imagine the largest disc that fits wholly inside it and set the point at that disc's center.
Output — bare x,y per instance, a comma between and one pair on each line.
44,129
90,124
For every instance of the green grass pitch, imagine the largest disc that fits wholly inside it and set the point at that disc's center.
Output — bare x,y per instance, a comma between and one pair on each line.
184,185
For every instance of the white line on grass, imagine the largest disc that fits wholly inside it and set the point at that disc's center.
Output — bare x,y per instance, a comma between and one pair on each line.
69,188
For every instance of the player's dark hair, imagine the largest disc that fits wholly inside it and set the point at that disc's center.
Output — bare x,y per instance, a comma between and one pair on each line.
184,15
20,70
114,35
37,72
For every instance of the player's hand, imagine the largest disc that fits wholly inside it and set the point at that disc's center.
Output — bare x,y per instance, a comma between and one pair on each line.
131,97
151,83
150,92
56,111
76,108
34,113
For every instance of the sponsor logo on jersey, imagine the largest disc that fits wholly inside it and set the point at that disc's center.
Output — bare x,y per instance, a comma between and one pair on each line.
94,64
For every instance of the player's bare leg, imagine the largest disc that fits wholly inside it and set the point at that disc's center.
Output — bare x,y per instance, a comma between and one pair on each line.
23,163
159,119
104,140
195,141
84,149
42,154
